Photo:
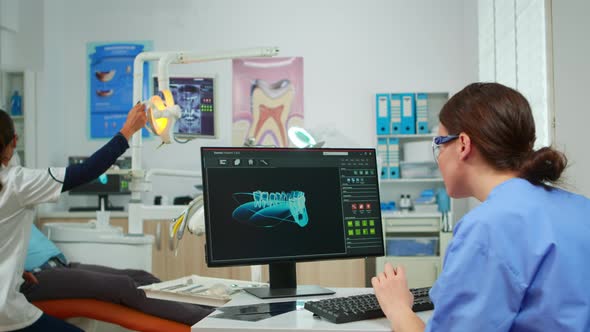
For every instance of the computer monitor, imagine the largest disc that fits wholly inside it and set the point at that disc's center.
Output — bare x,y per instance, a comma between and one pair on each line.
196,98
103,186
279,206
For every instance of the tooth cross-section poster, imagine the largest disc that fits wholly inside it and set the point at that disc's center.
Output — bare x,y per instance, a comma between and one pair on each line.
267,100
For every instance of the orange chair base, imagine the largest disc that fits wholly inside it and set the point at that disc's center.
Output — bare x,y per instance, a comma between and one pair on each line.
109,312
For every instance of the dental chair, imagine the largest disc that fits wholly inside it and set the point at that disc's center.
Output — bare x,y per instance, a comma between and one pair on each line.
110,313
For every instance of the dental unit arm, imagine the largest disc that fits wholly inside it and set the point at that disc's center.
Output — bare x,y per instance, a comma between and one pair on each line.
192,218
165,109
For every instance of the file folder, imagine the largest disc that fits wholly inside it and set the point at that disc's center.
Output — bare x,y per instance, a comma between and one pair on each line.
395,104
408,112
393,157
382,113
382,154
422,113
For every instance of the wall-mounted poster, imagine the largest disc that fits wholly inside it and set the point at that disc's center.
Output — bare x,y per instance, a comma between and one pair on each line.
267,100
110,84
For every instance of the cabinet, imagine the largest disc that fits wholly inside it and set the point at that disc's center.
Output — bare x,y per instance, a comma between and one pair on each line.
23,82
188,258
416,238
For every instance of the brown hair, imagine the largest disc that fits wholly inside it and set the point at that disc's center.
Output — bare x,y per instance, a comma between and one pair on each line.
500,123
6,133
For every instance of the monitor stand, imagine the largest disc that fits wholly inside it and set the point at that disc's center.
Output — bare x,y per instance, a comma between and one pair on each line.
103,198
283,283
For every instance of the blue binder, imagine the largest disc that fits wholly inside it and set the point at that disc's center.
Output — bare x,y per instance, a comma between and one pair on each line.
382,154
422,113
395,104
408,113
393,157
382,113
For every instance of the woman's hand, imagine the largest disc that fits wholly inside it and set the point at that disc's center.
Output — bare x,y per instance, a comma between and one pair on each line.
136,119
391,290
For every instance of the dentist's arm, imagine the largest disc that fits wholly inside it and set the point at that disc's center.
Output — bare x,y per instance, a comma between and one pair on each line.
106,156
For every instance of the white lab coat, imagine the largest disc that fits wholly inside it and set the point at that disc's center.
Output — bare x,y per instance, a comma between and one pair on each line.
23,188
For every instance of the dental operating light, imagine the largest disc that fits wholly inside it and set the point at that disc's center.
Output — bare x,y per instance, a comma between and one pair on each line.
162,115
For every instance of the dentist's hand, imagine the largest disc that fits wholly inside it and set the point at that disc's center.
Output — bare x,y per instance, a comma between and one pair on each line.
136,119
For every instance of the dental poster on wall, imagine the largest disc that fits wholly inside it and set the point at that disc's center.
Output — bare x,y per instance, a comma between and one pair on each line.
267,100
110,84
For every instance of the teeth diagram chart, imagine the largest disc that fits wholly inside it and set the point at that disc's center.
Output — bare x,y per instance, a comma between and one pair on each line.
271,209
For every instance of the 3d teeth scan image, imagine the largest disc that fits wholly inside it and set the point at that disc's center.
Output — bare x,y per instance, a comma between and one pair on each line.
264,209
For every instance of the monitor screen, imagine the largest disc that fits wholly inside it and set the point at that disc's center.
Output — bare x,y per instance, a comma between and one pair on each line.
103,186
278,206
196,98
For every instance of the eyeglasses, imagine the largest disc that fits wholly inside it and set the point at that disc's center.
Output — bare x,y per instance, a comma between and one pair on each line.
438,141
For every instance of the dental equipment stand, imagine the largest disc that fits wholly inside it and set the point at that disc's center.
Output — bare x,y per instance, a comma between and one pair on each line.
138,212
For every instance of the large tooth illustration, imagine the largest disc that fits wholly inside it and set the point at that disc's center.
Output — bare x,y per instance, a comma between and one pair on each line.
271,105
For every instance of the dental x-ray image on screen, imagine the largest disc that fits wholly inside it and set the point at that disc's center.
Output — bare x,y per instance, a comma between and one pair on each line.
195,96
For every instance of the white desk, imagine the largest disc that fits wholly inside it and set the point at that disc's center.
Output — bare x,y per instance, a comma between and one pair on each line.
299,320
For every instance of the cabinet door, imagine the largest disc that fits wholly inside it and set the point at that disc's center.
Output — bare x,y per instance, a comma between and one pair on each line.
333,273
185,257
156,228
420,271
117,222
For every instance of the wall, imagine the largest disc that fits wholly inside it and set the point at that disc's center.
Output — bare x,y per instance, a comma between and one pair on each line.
351,49
571,47
21,44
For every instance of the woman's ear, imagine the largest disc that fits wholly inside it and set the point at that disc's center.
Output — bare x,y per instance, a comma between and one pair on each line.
465,146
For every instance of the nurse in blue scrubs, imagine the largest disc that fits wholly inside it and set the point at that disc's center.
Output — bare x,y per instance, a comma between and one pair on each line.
516,261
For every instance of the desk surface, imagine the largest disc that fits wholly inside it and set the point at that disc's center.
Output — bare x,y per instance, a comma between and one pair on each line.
299,320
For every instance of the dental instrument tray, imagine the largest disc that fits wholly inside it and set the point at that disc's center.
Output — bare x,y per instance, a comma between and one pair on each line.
195,289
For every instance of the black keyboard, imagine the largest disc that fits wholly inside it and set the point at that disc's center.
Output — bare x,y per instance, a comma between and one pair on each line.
360,307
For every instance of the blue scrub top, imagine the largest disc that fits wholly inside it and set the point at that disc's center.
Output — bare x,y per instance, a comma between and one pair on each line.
517,262
40,250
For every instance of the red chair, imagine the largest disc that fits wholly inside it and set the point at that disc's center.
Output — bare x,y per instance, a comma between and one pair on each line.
109,312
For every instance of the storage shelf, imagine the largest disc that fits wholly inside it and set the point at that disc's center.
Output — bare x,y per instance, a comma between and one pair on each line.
419,180
398,150
411,222
408,136
426,229
407,215
17,117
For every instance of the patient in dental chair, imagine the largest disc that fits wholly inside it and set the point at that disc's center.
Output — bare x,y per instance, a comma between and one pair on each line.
50,276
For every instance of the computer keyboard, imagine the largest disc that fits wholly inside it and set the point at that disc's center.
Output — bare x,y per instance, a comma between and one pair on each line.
359,307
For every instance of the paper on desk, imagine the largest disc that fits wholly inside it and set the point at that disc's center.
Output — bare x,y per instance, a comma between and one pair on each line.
195,289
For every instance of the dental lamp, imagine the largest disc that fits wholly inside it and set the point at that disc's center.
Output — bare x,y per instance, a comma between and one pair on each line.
162,115
301,138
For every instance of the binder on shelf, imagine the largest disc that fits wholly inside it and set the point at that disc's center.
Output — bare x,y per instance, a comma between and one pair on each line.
408,113
393,158
422,113
383,156
395,104
382,116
